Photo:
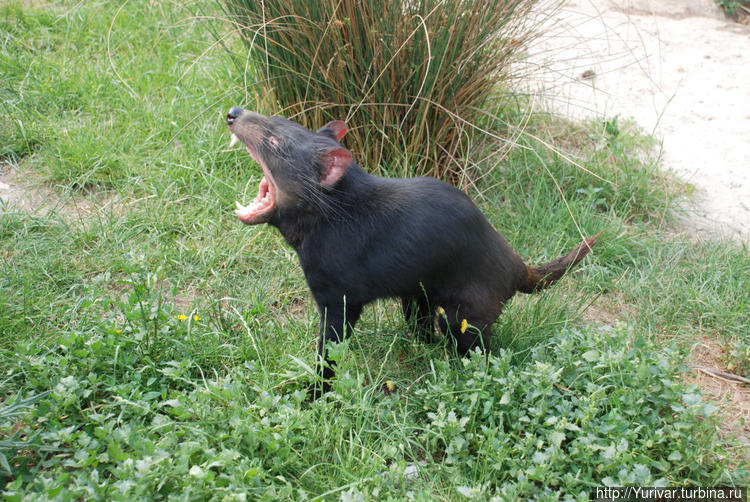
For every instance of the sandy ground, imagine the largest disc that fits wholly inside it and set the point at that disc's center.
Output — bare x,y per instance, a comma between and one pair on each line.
682,71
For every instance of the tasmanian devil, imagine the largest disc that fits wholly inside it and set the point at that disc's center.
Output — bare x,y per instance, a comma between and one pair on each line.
361,237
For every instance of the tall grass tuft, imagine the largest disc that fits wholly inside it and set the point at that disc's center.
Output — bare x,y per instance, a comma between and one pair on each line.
411,77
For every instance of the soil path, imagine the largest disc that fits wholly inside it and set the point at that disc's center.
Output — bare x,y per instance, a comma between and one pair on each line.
682,71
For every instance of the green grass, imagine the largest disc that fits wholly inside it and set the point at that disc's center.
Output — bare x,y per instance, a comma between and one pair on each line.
736,9
153,347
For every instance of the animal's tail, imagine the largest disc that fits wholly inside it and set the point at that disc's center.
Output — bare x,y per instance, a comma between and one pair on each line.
545,275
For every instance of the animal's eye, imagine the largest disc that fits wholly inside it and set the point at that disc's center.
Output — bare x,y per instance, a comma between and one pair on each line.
273,141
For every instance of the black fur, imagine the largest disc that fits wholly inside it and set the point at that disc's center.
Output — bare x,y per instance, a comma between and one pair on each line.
364,237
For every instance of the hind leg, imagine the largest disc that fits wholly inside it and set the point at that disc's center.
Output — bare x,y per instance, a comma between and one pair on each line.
417,313
466,330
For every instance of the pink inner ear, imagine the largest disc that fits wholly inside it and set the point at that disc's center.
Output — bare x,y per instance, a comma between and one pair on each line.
336,162
338,127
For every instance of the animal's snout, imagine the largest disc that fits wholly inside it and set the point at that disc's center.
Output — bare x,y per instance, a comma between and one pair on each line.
233,113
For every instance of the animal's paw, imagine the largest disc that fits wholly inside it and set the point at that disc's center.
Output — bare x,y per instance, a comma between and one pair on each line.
317,389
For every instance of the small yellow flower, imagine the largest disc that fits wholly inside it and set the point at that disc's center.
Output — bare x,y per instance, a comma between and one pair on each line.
196,317
440,311
118,331
390,385
181,317
464,325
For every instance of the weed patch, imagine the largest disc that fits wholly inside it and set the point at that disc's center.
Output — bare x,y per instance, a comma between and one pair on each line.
574,414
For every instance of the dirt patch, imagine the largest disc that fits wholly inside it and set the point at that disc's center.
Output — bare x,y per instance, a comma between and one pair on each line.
608,310
23,190
21,193
733,398
680,69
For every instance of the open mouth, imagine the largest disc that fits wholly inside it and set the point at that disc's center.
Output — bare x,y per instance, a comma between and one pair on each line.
264,202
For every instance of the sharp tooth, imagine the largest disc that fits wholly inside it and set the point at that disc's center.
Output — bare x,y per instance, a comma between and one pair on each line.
240,207
234,140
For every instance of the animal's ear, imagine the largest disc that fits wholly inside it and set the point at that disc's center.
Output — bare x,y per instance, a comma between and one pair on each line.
335,162
334,129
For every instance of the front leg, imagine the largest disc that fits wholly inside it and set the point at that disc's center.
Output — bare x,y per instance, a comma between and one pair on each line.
337,319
